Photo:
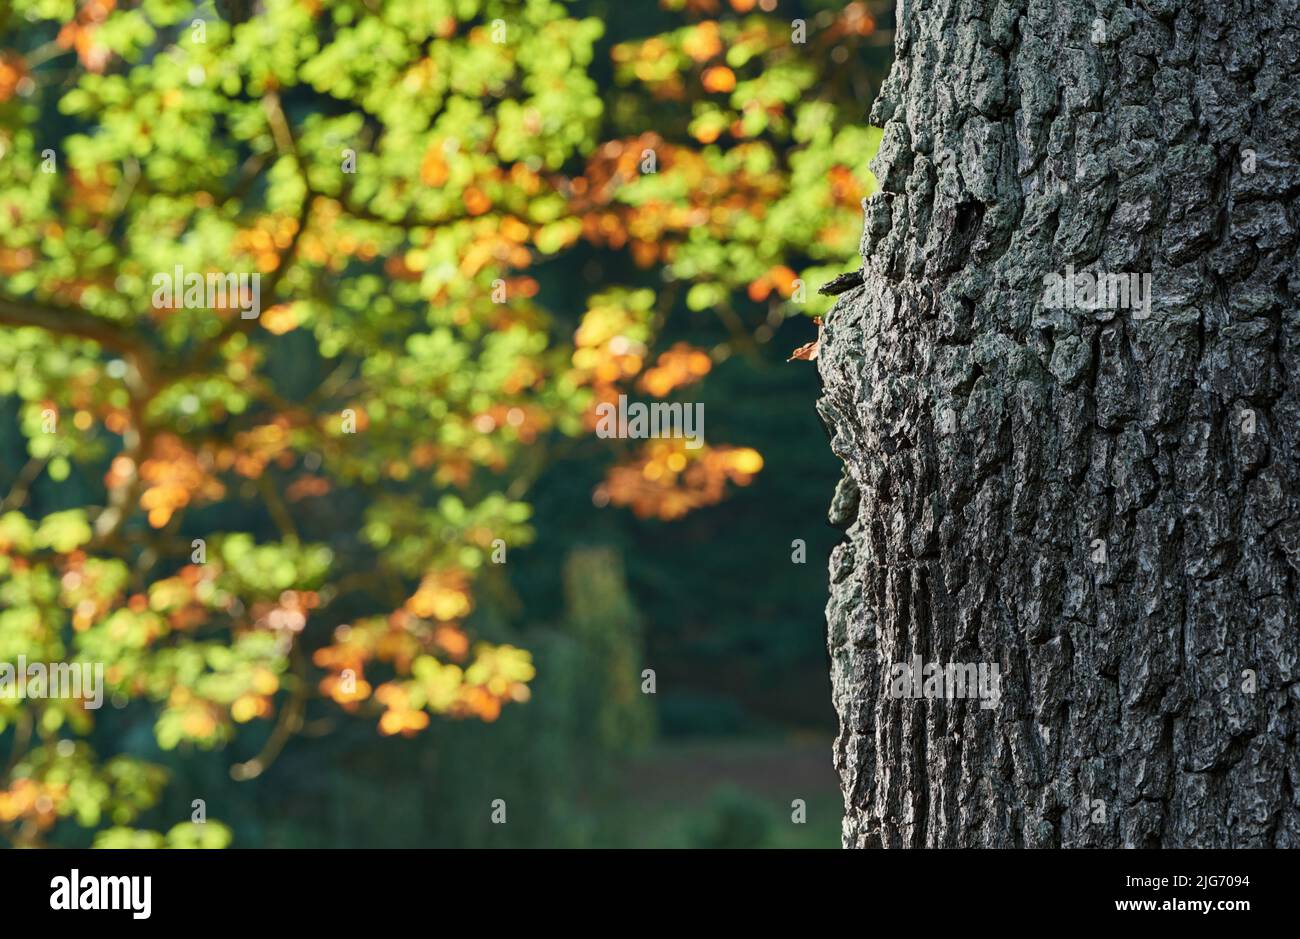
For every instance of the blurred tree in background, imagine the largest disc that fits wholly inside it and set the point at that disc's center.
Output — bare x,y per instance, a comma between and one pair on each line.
473,222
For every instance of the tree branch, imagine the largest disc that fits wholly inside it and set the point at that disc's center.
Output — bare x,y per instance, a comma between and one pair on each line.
66,321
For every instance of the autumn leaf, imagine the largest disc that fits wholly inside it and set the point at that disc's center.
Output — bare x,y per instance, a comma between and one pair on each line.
808,351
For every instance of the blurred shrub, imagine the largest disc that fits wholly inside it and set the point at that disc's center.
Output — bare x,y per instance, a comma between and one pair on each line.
734,819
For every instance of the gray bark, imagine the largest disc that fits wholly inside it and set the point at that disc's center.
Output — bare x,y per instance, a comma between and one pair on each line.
990,442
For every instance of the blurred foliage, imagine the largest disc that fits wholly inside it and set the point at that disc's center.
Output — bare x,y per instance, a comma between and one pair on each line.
739,820
474,221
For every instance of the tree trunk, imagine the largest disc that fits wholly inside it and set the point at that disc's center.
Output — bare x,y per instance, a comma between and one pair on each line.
1103,503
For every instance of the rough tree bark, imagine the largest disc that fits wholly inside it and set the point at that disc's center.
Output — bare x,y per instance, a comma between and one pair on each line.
1149,697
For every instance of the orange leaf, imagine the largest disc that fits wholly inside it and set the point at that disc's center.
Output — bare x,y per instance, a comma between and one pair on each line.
719,79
